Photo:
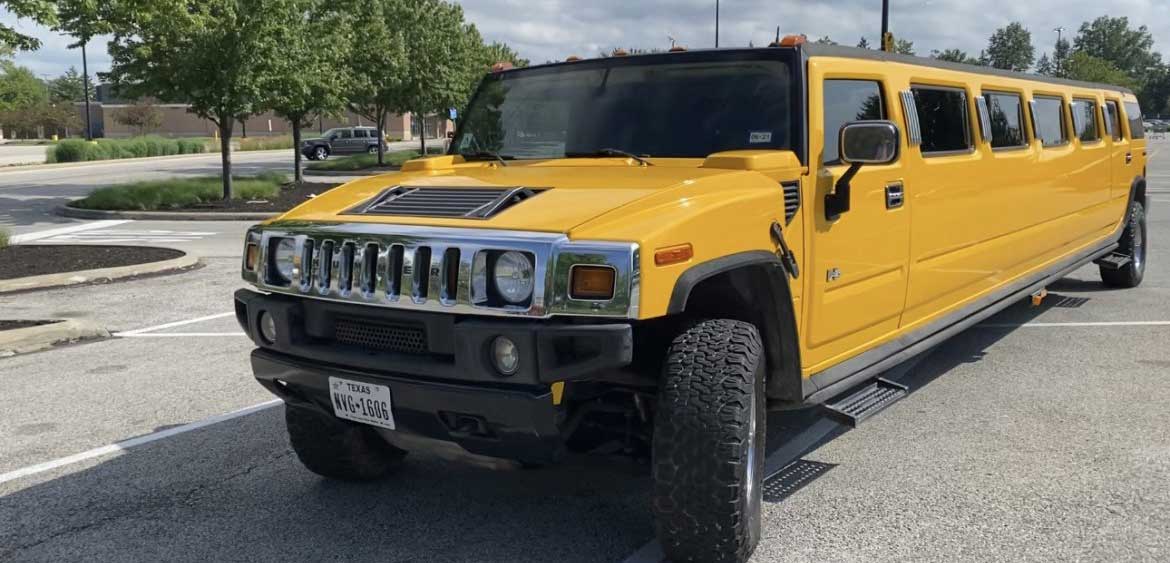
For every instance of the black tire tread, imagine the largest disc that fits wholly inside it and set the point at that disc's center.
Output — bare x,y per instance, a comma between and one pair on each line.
339,450
713,371
1129,276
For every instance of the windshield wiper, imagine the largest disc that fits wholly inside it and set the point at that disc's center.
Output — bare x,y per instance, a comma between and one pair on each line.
479,155
610,152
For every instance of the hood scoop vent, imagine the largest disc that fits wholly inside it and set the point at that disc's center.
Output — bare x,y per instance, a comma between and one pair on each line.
455,203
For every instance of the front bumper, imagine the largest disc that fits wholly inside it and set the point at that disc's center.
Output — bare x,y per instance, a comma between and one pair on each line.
447,391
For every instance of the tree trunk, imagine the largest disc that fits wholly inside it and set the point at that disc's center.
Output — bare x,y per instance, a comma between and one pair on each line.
381,137
422,132
296,131
225,155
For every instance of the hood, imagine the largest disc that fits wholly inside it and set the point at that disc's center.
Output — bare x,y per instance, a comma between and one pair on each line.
559,194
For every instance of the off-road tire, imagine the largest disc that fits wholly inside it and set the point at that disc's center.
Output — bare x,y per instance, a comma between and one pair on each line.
1133,243
707,479
339,450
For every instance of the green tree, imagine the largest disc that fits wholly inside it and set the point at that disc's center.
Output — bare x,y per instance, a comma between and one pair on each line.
1111,39
1044,65
142,115
313,77
40,11
1011,48
375,61
863,44
500,52
1083,66
69,87
1155,92
825,41
954,56
19,88
216,55
904,46
1060,55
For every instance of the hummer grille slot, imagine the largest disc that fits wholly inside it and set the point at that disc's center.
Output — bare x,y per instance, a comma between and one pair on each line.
345,268
369,279
450,287
421,274
325,266
394,272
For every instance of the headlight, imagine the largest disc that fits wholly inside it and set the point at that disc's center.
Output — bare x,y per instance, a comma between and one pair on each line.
513,276
283,254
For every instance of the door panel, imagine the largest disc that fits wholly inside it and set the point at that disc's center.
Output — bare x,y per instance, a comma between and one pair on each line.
857,280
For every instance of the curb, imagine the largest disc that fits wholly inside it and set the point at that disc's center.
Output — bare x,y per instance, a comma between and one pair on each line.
33,338
366,172
77,213
34,167
65,279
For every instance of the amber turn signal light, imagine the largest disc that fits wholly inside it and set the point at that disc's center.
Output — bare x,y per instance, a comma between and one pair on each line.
592,282
251,255
673,254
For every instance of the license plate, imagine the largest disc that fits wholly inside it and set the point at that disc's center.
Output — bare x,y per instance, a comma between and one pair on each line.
361,402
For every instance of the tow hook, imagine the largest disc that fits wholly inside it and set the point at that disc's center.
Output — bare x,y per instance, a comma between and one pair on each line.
787,258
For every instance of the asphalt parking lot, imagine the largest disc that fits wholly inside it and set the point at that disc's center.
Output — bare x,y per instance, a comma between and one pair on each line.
1039,435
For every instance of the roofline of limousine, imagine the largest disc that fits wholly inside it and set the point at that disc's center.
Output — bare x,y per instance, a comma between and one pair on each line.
822,50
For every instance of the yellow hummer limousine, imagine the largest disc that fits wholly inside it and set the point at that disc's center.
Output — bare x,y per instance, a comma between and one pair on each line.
643,255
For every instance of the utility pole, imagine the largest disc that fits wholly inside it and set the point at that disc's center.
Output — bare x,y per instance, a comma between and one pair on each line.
887,38
85,87
716,24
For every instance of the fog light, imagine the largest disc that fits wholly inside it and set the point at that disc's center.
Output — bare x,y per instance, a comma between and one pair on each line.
267,328
505,355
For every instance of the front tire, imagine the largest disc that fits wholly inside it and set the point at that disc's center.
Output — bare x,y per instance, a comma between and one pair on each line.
339,450
320,153
1132,244
709,437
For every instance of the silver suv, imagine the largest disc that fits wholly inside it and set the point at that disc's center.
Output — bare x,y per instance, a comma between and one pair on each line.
341,140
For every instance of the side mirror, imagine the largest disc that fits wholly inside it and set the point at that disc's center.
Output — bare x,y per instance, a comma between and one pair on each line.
859,143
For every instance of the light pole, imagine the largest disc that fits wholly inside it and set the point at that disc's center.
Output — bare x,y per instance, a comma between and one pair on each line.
85,87
1059,33
716,24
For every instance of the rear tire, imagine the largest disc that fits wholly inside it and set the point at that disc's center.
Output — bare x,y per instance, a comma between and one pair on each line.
1132,244
339,450
709,436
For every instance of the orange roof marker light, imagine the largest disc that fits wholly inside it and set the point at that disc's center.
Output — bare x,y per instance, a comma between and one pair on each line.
677,49
793,40
619,52
572,59
502,66
673,254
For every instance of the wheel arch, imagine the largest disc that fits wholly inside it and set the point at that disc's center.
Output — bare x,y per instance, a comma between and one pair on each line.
753,287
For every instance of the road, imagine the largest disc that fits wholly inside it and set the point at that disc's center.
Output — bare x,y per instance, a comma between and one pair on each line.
1037,436
21,154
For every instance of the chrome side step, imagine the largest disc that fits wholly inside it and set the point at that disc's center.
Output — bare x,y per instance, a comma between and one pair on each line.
856,406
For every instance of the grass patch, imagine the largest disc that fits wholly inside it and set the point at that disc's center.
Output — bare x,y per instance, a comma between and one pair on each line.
365,161
79,150
179,192
266,143
5,239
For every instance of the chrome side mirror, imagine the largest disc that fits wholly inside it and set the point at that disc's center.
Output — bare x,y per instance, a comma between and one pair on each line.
859,143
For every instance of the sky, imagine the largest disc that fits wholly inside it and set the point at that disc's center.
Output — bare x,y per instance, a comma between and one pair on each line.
543,30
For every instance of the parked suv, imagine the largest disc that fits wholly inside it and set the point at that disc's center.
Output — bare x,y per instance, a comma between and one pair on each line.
341,140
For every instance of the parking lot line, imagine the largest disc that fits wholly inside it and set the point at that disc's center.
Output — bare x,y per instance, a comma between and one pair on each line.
164,326
1075,324
133,442
26,237
178,334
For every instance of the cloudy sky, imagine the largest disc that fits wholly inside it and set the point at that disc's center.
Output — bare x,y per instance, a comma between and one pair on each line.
544,30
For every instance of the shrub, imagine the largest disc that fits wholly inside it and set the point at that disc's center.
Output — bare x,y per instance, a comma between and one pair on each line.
178,193
364,161
77,150
4,239
266,143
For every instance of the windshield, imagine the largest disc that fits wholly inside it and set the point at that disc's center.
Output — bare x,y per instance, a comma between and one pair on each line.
661,106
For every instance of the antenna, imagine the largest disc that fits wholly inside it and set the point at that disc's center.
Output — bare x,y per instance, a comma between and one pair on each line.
668,36
777,35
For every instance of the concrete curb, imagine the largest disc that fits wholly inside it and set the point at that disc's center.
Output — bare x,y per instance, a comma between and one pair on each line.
33,167
33,338
65,279
77,213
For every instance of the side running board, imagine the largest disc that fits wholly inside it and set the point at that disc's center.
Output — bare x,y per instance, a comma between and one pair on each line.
1113,261
852,409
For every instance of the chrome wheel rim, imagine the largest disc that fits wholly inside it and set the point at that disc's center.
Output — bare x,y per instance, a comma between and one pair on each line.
750,474
1139,245
321,154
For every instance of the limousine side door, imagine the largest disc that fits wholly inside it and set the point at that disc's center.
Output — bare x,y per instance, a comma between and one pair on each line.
857,276
1120,157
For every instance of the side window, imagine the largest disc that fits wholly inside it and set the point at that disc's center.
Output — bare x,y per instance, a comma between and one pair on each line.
942,117
1007,119
845,101
1113,120
1085,120
359,133
345,134
1048,113
1133,112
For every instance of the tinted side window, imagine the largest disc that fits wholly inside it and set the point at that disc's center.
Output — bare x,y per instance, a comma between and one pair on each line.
942,117
845,101
359,133
1113,120
1133,112
1085,118
1007,120
345,134
1049,117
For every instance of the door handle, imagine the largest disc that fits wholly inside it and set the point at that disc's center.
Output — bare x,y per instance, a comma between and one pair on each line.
895,195
1128,157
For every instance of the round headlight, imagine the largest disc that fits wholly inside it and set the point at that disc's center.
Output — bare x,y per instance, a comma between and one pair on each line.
505,355
514,277
282,258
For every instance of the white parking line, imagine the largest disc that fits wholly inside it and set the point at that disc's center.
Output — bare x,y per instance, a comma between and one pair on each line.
17,239
172,325
177,334
133,442
1053,325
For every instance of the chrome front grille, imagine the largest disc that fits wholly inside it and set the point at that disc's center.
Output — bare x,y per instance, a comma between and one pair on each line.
441,269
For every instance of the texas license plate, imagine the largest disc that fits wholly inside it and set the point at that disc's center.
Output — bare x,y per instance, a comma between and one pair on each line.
361,402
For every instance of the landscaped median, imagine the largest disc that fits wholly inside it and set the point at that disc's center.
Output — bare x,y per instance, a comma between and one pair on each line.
256,198
80,150
366,162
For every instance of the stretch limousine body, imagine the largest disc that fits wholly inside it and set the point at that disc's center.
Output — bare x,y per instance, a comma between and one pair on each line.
644,254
